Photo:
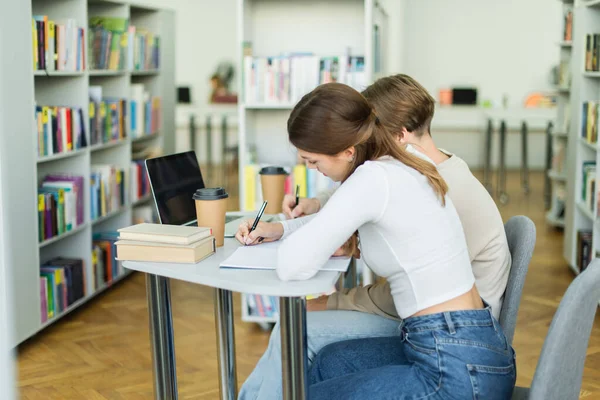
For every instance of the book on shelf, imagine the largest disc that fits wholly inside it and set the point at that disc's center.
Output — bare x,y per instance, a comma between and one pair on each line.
59,129
559,155
109,188
145,111
144,50
568,26
564,74
107,117
589,121
57,45
151,251
62,283
140,185
108,39
310,181
263,306
164,233
584,248
592,48
105,266
60,205
588,184
286,78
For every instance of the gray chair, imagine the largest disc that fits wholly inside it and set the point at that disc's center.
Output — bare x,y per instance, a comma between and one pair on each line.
559,369
520,233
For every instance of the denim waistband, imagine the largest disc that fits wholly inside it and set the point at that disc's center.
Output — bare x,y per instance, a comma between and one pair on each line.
449,320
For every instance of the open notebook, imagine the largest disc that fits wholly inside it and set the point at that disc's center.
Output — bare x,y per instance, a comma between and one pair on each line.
264,256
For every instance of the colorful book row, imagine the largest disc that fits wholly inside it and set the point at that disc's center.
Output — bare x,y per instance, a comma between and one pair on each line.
145,49
589,121
57,45
588,184
263,306
108,189
592,50
145,111
140,185
310,182
107,117
114,44
584,249
106,268
62,283
60,205
59,129
286,78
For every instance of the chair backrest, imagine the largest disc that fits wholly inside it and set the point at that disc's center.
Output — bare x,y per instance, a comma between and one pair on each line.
520,233
559,370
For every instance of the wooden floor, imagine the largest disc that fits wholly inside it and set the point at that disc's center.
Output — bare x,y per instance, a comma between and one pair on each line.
102,351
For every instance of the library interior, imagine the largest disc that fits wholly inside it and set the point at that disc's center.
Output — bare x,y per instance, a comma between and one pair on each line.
156,157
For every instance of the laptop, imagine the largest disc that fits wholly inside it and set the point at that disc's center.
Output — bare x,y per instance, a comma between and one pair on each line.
173,181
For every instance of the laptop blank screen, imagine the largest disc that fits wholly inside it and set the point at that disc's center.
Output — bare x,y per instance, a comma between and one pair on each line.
174,179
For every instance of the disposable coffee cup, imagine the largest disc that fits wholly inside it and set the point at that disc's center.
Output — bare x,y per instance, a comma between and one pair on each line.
211,205
272,180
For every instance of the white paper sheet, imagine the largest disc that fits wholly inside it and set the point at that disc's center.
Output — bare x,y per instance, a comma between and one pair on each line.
264,256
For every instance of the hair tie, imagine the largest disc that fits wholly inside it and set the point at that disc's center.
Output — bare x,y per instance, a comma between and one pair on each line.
377,120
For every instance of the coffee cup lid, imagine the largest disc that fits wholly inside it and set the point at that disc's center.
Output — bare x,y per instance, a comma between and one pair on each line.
272,170
210,194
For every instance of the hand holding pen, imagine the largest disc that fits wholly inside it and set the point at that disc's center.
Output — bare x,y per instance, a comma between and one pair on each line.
255,232
295,206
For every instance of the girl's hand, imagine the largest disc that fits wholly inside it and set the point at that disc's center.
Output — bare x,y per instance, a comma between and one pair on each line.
264,232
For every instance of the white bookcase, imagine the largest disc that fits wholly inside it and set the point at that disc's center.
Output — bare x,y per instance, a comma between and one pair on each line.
70,88
585,87
274,28
557,173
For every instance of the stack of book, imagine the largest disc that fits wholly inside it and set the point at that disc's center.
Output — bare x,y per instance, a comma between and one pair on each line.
62,283
165,243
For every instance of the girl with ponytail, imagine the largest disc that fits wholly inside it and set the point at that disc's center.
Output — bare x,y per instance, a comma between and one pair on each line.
394,206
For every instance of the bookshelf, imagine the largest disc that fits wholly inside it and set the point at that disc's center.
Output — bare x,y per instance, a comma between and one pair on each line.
582,226
63,144
560,138
285,50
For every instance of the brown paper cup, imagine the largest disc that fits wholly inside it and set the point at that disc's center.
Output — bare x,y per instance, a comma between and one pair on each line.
272,180
211,205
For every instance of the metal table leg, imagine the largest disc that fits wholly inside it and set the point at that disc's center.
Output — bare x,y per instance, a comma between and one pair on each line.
192,132
209,149
547,183
501,189
225,344
161,337
488,157
294,355
524,163
349,279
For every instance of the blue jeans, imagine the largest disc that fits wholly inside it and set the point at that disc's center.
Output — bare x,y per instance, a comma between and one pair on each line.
450,355
322,328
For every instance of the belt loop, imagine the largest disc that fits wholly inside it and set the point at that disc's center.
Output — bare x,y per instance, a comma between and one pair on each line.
449,322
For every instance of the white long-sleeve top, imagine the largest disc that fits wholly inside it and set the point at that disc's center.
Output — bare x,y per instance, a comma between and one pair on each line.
406,235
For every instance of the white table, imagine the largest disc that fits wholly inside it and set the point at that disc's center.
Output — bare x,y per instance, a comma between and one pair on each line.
292,318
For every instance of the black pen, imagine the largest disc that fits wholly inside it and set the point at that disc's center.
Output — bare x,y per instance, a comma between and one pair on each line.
297,194
260,213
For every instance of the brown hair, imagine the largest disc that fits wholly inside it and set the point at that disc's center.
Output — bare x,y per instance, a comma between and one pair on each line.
334,117
401,102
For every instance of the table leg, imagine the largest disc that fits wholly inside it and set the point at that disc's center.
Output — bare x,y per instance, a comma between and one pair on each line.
547,182
161,337
501,189
225,344
487,181
349,279
524,162
294,355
